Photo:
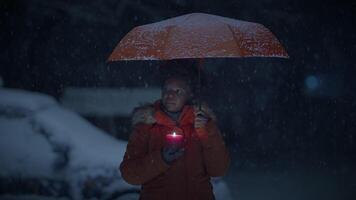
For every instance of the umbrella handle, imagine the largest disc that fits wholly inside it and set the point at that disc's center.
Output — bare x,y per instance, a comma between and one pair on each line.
200,65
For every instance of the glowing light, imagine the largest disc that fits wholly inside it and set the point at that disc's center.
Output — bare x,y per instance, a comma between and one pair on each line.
174,139
312,82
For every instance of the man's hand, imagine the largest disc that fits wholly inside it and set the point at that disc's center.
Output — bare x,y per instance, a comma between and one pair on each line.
169,154
201,119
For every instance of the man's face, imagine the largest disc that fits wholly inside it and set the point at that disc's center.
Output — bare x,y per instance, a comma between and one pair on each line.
175,93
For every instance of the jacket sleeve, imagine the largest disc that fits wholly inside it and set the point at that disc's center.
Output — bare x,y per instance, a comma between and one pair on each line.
216,155
138,165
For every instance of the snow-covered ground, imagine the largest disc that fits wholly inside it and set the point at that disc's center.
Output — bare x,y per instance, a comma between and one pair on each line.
28,197
42,142
280,179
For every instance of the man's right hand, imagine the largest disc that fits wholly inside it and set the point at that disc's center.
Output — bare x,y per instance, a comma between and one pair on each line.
169,154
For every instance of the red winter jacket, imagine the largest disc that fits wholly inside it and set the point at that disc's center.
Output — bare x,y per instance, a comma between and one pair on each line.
188,177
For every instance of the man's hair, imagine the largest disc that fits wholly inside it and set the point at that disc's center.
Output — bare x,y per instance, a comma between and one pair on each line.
185,70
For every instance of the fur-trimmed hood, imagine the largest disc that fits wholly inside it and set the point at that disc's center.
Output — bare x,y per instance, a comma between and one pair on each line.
146,113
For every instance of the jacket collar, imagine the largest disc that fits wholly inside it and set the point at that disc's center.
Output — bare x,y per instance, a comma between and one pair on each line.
186,117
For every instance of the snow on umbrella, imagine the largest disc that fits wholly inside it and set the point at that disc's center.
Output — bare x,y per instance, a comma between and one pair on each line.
198,35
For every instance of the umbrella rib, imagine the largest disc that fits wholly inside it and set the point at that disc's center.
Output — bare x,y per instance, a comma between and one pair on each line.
169,31
236,39
166,40
187,17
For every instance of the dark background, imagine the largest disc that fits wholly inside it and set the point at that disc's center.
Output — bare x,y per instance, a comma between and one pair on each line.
278,116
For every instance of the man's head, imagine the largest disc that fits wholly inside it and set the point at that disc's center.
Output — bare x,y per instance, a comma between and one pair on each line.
179,82
176,92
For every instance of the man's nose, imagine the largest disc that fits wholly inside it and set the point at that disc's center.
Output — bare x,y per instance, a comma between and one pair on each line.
170,94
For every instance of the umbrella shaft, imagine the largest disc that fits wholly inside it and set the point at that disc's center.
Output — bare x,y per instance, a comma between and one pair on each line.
200,65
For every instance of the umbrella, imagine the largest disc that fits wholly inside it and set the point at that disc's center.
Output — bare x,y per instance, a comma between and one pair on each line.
198,35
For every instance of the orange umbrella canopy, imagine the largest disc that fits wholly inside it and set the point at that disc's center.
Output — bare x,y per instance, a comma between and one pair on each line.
198,35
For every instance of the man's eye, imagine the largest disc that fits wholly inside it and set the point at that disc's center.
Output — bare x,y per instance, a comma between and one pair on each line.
179,91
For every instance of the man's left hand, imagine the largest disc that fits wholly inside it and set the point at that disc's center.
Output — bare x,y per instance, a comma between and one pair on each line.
201,119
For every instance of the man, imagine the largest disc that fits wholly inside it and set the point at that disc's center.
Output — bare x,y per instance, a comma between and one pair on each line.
166,172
